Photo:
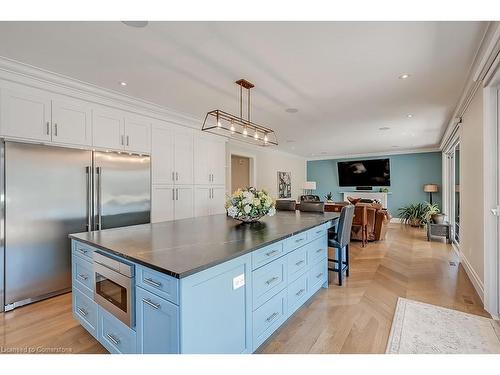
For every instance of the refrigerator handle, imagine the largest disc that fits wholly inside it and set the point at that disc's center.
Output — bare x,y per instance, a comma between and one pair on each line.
89,198
99,194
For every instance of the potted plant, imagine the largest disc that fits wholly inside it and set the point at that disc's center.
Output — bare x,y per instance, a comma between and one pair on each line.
413,214
329,197
250,205
434,214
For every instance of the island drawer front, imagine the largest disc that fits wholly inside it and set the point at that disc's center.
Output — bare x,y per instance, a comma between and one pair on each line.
85,311
268,280
114,335
158,283
296,261
83,275
268,317
319,231
318,275
295,241
317,250
267,254
297,293
83,250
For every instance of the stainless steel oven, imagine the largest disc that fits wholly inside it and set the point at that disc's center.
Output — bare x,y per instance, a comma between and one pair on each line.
114,287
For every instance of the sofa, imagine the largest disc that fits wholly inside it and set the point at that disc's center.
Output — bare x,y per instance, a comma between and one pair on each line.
377,218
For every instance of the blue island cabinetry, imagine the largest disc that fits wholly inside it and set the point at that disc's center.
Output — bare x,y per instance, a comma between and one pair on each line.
232,307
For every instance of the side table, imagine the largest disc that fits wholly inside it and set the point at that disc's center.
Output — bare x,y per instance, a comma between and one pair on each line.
440,230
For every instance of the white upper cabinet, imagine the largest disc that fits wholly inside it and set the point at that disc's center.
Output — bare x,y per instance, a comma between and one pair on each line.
183,156
210,161
71,122
137,136
162,155
218,160
107,128
25,113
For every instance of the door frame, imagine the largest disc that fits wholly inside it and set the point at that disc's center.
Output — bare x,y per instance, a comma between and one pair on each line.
449,183
252,170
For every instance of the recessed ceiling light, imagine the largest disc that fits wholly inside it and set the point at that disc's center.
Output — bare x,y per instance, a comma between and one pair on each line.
291,110
404,76
137,24
123,83
409,115
384,128
395,146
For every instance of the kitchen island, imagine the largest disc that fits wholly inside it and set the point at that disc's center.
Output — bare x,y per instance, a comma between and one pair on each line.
200,285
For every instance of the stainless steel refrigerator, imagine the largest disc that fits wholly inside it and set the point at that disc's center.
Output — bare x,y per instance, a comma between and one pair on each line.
49,192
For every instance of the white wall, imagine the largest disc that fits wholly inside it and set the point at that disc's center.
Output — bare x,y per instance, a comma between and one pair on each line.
472,191
267,163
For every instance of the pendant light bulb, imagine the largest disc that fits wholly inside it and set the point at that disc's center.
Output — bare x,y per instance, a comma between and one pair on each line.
256,135
219,124
245,131
232,129
265,138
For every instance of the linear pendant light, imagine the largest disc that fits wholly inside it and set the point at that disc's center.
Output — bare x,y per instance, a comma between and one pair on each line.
228,125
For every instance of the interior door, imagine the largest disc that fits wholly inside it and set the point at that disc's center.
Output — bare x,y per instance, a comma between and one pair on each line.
121,189
46,199
183,202
183,158
162,162
71,122
163,200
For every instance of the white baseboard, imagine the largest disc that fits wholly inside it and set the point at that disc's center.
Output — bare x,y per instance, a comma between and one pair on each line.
473,276
396,220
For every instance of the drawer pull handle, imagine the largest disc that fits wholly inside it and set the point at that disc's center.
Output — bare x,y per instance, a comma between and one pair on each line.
156,284
82,311
272,317
300,292
151,303
319,250
319,275
299,240
271,253
83,251
83,277
319,231
299,262
272,280
112,338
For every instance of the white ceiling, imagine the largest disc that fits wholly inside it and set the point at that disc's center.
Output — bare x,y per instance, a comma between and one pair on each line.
341,76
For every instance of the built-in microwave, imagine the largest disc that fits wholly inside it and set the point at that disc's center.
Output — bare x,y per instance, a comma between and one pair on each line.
114,287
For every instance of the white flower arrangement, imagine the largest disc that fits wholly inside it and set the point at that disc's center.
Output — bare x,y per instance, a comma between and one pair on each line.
250,205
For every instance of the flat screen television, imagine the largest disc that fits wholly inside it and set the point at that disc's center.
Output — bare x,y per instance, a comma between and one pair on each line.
374,172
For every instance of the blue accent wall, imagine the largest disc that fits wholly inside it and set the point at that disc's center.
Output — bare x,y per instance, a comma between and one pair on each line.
409,173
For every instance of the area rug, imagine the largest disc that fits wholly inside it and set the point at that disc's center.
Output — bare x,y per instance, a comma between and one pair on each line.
420,328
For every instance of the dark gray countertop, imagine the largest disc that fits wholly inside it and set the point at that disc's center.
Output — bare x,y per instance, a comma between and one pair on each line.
183,247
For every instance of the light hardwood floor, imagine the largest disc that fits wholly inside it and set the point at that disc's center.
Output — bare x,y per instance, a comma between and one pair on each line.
354,318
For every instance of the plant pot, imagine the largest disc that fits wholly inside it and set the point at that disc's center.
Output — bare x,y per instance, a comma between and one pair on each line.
438,218
249,219
415,223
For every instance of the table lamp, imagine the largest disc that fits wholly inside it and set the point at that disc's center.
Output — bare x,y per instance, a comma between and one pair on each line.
309,186
431,188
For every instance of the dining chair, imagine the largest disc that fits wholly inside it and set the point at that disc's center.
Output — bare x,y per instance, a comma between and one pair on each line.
285,205
361,221
312,207
340,242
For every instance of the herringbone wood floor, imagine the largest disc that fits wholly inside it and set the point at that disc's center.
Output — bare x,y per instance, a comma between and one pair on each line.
354,318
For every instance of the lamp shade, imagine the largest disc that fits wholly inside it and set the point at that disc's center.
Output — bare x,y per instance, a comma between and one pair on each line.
431,188
310,185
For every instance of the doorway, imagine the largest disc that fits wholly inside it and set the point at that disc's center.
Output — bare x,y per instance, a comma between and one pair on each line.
452,193
240,172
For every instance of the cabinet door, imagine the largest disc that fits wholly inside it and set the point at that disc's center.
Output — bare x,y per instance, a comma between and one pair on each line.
137,134
25,113
202,201
162,155
71,122
218,162
157,324
107,128
183,202
162,203
183,158
202,162
218,200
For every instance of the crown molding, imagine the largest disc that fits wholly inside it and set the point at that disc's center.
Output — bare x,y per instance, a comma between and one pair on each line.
18,72
374,154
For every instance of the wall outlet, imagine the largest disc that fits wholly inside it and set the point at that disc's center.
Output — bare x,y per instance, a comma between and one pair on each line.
238,281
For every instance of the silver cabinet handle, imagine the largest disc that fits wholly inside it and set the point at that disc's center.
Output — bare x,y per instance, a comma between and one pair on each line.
173,176
112,338
319,250
149,281
299,262
176,194
122,138
299,240
48,127
55,129
83,251
127,140
99,197
272,280
147,301
319,275
173,194
89,198
82,311
83,277
300,292
271,318
272,253
319,231
176,176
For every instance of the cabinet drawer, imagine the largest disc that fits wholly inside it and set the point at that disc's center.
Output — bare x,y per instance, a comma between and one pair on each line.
295,241
296,261
83,275
297,293
83,250
317,250
268,317
319,231
317,276
162,285
268,280
266,254
114,335
85,311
